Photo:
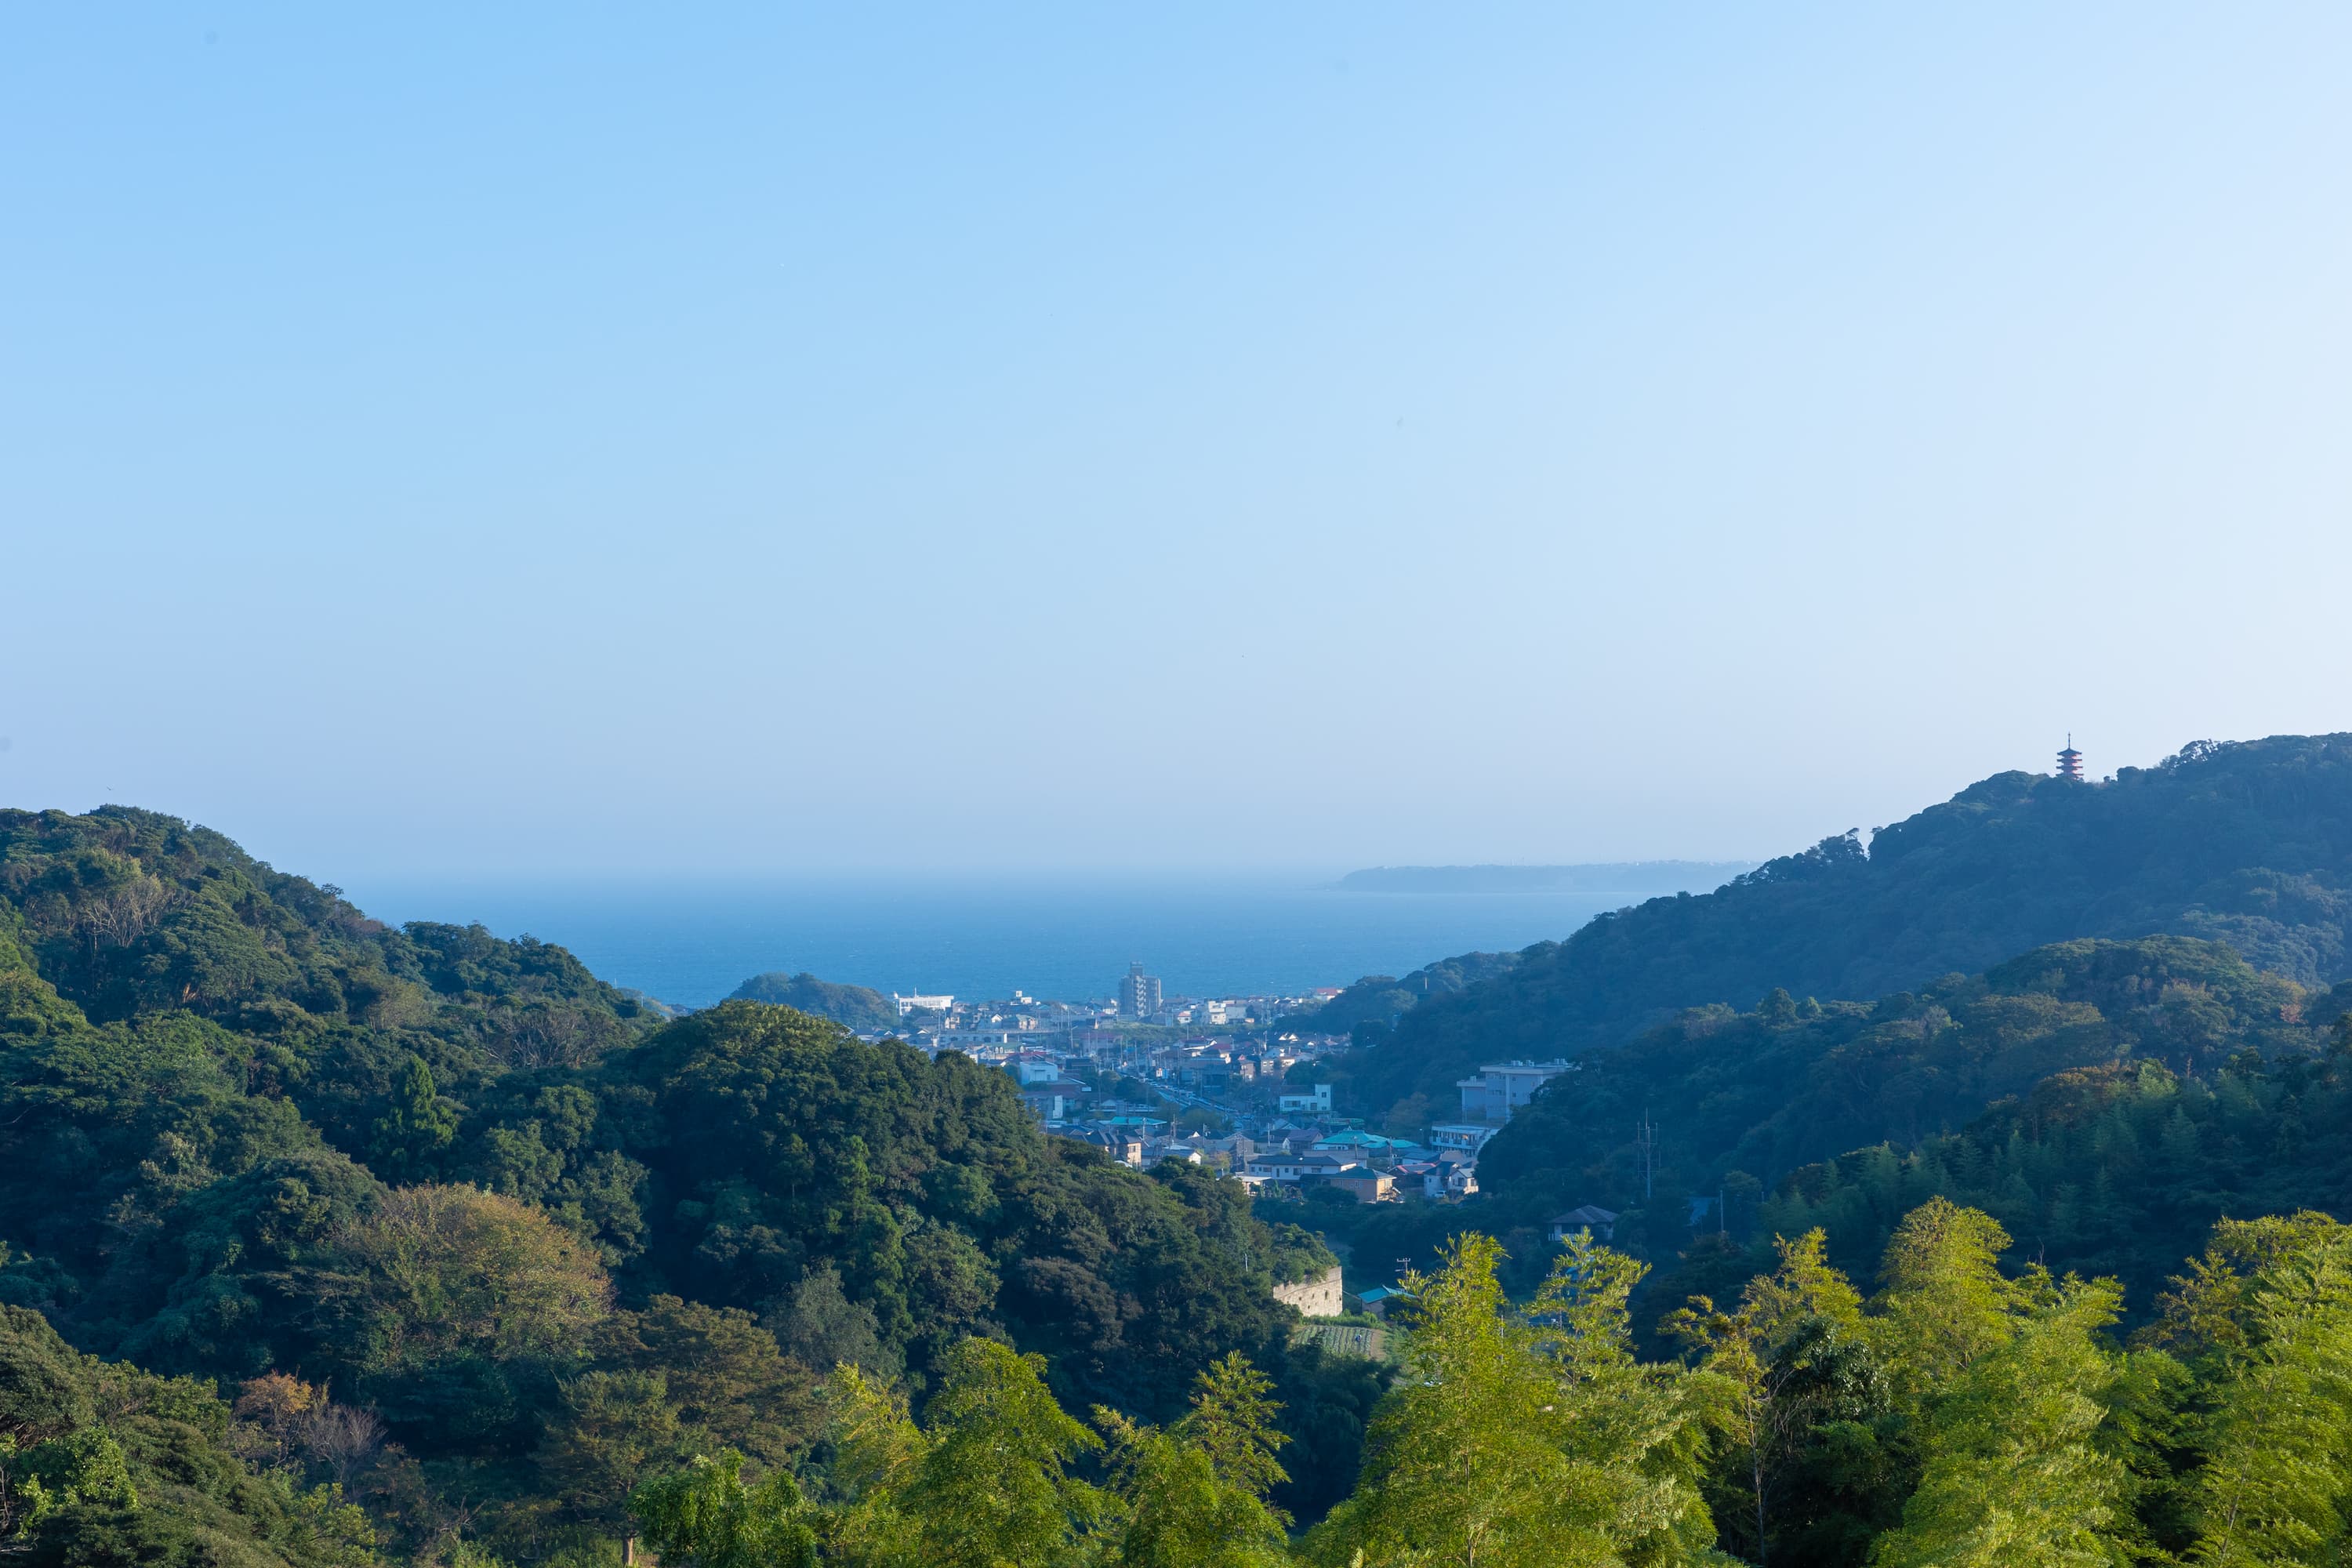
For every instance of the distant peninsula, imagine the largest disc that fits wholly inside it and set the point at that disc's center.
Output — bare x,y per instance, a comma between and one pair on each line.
1642,879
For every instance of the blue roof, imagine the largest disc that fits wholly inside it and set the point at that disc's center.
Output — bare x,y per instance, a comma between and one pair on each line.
1354,1140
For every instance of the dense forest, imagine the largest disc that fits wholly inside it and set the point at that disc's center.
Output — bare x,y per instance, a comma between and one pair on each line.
1711,1133
479,1238
1969,1411
2247,843
1380,999
327,1243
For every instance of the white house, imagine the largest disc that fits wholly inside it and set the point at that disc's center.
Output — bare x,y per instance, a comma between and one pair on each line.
1319,1101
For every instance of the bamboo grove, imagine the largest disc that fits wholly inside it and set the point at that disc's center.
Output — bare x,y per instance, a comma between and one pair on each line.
1960,1413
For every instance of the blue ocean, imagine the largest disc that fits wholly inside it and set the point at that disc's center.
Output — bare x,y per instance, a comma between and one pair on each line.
692,945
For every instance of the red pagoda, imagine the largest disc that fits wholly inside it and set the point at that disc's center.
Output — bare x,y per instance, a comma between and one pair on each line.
2070,762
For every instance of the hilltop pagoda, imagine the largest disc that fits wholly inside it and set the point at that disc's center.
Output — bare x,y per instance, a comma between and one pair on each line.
2070,762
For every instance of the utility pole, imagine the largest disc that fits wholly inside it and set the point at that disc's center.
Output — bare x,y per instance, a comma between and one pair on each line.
1646,1139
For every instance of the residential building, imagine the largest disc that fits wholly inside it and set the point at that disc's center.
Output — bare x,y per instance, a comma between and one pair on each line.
1600,1222
1469,1135
1281,1165
907,1004
1379,1298
1318,1102
1051,1100
1139,993
1502,1087
1365,1185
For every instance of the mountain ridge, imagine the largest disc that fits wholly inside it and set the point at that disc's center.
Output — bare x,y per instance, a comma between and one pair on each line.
2247,843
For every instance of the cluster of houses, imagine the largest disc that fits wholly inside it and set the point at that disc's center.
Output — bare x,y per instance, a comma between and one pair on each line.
1284,1146
1092,1074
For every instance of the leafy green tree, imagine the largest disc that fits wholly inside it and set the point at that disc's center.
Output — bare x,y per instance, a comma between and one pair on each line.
1633,1434
983,1483
2268,1314
2012,1472
1193,1495
1943,1301
1510,1442
1459,1464
730,1385
456,1269
613,1427
1770,1357
709,1516
80,1469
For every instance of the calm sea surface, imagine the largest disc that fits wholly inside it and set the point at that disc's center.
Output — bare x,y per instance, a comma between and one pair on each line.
692,945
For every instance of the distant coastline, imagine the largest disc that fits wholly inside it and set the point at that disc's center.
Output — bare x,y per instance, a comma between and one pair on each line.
1642,879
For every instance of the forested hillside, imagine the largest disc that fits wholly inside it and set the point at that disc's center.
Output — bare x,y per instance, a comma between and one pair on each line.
1380,999
1793,1082
2248,843
481,1241
857,1006
324,1244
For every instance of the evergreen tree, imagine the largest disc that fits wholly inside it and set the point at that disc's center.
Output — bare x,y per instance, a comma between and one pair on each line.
414,1131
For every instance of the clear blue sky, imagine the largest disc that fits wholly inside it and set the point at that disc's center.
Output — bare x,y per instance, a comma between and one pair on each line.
759,438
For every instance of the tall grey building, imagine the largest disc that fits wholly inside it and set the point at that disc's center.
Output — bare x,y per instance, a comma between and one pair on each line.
1139,993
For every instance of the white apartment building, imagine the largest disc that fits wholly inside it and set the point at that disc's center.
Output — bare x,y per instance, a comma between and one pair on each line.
907,1004
1501,1088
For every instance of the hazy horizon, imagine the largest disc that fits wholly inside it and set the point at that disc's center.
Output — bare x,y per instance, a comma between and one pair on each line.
1155,444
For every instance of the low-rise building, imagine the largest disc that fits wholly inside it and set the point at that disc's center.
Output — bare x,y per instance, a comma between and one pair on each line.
1366,1146
1365,1185
1284,1166
910,1004
1466,1135
1600,1222
1502,1087
1051,1100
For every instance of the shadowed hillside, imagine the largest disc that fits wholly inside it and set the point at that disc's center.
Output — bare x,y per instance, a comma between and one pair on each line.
2247,843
